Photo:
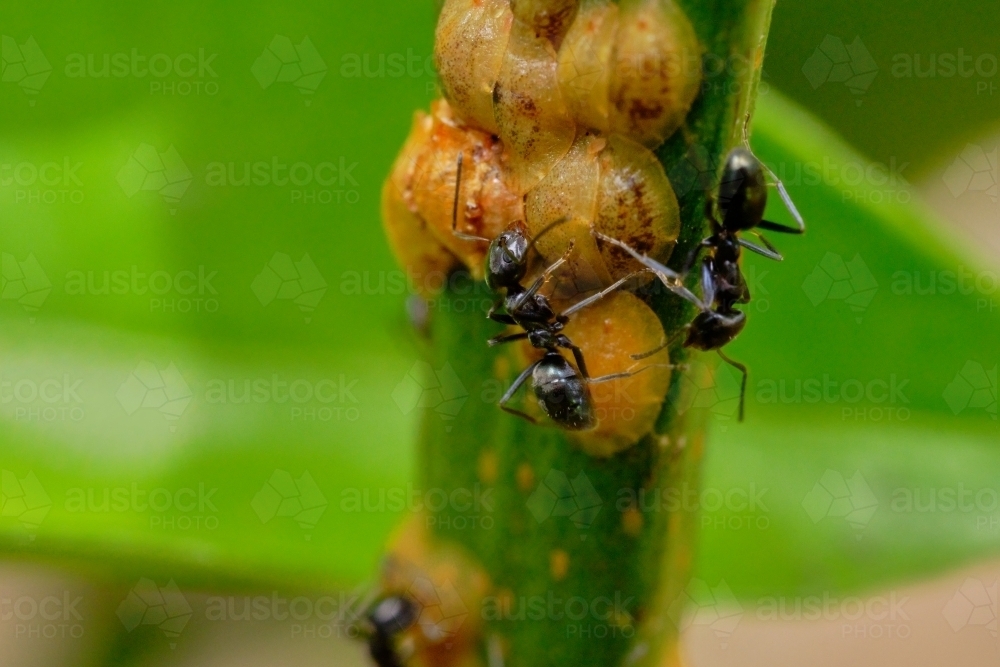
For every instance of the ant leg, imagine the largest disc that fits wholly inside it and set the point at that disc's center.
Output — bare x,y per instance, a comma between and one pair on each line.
707,283
693,257
665,344
542,279
578,356
600,295
521,379
800,224
454,206
743,385
352,613
770,251
785,197
672,280
502,318
781,229
508,338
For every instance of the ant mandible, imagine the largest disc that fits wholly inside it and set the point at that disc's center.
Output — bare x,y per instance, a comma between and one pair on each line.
741,200
562,391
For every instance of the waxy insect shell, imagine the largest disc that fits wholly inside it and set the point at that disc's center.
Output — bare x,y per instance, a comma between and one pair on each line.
419,198
615,186
632,69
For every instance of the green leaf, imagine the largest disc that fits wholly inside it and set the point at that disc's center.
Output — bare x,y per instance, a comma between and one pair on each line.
100,339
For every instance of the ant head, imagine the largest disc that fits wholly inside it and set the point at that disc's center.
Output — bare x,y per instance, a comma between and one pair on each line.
742,191
507,259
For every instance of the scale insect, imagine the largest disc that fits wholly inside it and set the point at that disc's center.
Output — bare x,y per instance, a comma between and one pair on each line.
562,390
738,206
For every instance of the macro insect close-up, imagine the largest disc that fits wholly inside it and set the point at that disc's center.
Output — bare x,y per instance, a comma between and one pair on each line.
499,333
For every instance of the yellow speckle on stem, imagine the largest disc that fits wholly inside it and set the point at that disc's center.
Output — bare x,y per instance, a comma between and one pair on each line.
558,564
525,477
487,467
632,521
501,367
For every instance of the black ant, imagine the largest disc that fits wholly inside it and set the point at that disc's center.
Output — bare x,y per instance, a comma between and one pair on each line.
390,617
561,390
741,199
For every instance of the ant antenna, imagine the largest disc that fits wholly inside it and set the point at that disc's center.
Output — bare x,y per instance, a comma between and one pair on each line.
454,206
776,182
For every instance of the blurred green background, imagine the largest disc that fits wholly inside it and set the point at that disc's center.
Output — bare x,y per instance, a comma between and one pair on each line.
148,280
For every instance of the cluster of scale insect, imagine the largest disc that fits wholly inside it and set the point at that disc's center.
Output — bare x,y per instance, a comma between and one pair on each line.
552,108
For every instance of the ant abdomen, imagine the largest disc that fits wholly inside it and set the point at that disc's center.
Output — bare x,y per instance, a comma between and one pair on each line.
742,195
562,393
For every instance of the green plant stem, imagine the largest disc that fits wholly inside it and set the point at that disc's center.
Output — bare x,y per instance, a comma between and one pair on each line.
640,557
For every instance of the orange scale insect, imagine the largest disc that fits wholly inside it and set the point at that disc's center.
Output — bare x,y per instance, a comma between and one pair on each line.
549,18
419,199
469,48
625,407
443,588
632,68
531,115
613,186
